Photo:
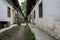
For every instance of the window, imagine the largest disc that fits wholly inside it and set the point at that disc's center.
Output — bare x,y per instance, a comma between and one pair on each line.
40,10
34,13
9,12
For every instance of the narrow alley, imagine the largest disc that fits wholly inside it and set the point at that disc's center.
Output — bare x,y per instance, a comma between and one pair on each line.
39,34
29,19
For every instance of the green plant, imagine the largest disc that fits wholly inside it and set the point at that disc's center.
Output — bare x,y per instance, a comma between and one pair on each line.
29,33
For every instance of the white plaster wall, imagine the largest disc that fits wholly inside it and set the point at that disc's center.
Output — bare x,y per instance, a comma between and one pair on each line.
51,17
3,10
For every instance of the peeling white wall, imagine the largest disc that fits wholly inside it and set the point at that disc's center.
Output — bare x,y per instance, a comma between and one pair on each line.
50,22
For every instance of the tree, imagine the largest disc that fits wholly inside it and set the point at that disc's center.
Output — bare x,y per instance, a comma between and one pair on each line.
23,7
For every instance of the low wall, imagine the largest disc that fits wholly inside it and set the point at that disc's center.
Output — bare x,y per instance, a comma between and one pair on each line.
5,31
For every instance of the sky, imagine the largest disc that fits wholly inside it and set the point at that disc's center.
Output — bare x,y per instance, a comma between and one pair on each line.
20,1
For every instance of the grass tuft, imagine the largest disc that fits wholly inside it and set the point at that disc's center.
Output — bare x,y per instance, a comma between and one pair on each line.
29,34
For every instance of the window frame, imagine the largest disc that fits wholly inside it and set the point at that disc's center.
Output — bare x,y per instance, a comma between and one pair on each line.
9,11
40,13
34,14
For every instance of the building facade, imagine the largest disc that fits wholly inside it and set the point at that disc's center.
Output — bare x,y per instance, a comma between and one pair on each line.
9,13
46,16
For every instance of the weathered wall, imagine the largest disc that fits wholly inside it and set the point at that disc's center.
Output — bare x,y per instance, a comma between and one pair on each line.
50,22
13,12
4,11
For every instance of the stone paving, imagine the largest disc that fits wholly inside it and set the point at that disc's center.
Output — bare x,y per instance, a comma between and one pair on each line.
19,35
39,34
